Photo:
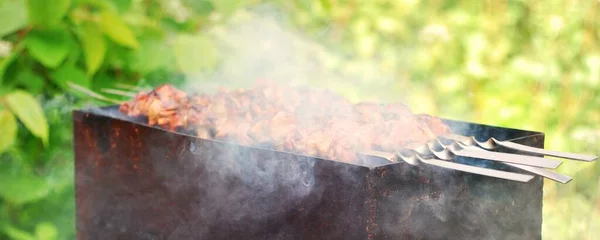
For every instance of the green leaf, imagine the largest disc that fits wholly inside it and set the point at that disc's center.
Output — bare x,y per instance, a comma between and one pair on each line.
201,7
23,188
8,131
194,53
153,54
122,5
326,5
12,16
46,231
6,62
30,81
227,7
29,112
94,47
116,29
70,73
16,234
46,12
50,47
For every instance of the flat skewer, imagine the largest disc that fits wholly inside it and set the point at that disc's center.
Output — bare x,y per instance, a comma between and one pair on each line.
131,87
92,93
415,159
118,92
493,143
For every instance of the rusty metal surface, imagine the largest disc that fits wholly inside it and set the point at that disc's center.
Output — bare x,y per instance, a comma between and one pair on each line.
138,182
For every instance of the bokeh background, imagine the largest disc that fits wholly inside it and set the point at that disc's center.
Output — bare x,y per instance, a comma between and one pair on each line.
532,65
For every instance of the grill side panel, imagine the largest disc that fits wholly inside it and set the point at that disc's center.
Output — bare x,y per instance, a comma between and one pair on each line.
138,182
433,203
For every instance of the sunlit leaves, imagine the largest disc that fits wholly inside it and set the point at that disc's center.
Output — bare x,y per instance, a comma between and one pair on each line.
194,53
22,188
387,24
29,112
122,5
70,73
201,7
366,45
153,54
117,30
15,233
94,47
326,5
8,131
46,12
592,63
7,61
12,16
50,47
46,231
227,7
30,81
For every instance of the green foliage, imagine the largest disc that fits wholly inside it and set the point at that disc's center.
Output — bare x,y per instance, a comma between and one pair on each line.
8,132
49,46
17,234
12,16
53,45
46,231
507,63
46,12
193,54
94,47
22,188
31,82
29,111
70,73
115,28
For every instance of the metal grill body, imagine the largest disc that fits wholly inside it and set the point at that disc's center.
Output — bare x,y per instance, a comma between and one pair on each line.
134,181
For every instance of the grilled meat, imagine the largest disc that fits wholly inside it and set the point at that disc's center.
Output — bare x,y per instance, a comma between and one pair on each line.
312,122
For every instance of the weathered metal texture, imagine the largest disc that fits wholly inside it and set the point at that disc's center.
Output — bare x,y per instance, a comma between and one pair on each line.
134,181
426,202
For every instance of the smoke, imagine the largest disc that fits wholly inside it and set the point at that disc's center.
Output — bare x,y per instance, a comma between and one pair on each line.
260,44
237,188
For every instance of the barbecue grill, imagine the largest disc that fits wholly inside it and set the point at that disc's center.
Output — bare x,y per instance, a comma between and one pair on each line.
136,181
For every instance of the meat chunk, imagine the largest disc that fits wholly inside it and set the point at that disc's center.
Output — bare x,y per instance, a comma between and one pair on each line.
296,119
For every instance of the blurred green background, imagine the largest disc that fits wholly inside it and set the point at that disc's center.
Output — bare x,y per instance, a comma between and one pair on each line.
522,64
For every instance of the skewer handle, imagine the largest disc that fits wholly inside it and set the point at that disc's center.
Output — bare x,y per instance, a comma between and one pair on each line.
536,170
506,157
392,157
528,149
543,172
479,171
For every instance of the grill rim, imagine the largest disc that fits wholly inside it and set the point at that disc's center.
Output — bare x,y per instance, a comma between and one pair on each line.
112,112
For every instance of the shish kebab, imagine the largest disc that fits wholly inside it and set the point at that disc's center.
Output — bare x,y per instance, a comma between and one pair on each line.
316,123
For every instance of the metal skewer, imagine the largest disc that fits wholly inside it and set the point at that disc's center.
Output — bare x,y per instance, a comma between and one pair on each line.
536,170
442,151
416,160
493,143
428,149
92,93
118,92
425,150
